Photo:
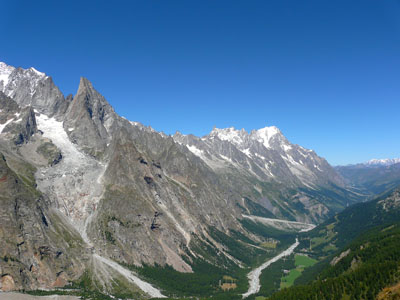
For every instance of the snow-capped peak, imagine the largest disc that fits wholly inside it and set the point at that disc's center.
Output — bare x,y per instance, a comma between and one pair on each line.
5,72
383,162
229,134
37,72
239,137
264,135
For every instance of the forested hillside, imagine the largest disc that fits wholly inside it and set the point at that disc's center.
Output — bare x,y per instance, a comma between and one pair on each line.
359,253
362,271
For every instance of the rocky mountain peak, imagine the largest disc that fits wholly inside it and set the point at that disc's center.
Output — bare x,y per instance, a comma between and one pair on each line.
89,119
29,87
36,72
267,135
230,134
85,86
270,136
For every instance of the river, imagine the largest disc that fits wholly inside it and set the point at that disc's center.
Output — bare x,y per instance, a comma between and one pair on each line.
254,276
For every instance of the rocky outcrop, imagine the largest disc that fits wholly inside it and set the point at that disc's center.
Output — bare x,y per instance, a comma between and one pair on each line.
17,122
23,128
8,108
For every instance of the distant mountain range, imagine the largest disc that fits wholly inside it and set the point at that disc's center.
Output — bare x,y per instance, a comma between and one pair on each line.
372,177
383,162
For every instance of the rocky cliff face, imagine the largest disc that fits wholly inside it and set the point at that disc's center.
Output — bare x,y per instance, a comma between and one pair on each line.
29,87
38,247
135,196
89,120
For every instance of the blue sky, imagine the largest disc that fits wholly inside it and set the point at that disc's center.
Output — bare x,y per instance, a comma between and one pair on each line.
327,73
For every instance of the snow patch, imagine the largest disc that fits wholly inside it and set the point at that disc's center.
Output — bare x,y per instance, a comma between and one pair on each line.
317,167
196,151
2,126
260,156
286,148
247,152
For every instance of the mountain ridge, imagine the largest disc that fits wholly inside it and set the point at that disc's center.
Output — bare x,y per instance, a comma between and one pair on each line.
138,197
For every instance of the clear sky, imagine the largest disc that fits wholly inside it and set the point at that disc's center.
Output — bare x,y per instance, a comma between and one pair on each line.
327,73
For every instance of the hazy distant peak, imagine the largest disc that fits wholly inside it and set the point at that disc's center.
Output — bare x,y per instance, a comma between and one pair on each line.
383,162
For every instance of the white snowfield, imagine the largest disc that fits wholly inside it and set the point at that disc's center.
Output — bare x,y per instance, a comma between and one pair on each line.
78,204
281,224
254,276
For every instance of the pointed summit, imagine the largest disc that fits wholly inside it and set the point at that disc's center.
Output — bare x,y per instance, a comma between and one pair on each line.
84,83
89,118
89,99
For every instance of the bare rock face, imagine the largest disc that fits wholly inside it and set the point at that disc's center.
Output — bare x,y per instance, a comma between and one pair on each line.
23,128
89,119
152,206
36,242
8,108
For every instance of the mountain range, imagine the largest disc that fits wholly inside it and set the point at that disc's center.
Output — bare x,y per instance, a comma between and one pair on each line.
88,195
